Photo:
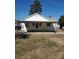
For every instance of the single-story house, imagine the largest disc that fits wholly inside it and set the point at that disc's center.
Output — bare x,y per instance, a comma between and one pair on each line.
37,22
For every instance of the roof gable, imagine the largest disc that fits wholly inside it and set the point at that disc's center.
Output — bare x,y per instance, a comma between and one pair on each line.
37,17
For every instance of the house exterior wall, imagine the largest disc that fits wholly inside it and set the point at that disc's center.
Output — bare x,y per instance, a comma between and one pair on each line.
43,26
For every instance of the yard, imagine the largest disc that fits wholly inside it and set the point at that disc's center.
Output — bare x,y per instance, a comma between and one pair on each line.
39,46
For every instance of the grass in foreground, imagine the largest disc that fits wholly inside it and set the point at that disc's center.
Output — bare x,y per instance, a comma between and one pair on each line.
39,47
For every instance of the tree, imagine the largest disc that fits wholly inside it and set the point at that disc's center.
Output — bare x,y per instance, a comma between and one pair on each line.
35,7
61,22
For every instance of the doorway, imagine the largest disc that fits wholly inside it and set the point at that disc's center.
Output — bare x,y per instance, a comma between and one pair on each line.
36,25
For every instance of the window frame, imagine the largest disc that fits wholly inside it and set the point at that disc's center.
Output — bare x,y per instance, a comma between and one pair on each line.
48,24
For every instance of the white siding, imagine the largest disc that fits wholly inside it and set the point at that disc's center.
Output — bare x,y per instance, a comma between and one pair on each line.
43,27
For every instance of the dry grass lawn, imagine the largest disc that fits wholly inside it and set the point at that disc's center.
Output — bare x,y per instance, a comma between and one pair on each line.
40,46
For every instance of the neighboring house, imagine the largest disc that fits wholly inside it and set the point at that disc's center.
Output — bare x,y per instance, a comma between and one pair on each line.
37,22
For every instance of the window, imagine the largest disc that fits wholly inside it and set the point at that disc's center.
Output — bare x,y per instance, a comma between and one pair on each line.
17,27
26,24
48,24
37,25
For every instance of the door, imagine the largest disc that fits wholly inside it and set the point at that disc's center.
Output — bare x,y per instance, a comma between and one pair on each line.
36,25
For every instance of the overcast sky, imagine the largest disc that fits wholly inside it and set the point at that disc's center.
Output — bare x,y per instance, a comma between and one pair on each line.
54,8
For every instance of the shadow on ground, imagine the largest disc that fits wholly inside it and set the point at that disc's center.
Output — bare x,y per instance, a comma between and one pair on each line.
22,36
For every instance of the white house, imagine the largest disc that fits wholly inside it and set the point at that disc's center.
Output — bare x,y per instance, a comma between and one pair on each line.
37,22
